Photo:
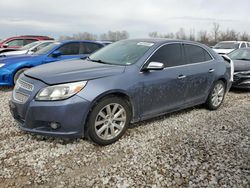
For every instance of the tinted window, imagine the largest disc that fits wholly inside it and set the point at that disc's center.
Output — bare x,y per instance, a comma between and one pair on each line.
88,48
28,46
195,54
47,49
70,49
170,55
17,42
28,41
243,45
227,45
43,45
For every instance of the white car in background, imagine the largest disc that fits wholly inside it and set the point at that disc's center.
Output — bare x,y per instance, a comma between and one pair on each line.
28,49
226,47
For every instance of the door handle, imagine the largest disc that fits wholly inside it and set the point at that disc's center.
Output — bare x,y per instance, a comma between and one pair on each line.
211,70
181,76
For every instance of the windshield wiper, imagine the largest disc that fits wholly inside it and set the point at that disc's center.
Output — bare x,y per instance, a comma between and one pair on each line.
98,61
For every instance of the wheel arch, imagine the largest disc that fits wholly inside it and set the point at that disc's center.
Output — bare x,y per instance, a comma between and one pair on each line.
112,93
17,69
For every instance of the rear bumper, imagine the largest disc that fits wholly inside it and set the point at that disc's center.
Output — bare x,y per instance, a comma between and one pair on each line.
69,114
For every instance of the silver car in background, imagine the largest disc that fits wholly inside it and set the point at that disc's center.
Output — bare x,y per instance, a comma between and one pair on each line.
28,49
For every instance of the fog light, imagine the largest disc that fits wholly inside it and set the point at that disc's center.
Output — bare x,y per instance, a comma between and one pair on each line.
54,125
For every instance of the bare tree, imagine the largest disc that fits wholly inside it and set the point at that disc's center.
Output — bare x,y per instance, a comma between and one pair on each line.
157,35
85,36
79,36
114,35
229,35
203,37
245,37
181,34
215,32
153,34
192,35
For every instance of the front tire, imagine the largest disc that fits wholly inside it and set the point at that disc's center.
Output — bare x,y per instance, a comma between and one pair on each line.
18,73
216,95
108,120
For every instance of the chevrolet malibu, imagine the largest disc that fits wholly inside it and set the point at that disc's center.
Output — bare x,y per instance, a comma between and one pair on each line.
125,82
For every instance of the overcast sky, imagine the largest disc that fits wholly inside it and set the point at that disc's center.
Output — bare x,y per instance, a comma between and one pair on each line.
138,17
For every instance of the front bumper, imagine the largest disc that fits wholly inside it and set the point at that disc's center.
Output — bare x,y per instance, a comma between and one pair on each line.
241,81
37,116
5,77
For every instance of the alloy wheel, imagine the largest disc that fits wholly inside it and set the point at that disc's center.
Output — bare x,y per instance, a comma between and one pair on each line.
218,94
110,121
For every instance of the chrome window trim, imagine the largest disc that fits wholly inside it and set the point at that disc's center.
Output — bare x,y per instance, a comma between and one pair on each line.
178,65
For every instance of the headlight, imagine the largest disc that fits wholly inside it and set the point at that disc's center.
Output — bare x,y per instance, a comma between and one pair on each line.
60,92
1,65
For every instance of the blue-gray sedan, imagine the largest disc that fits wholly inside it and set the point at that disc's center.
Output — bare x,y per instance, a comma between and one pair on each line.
125,82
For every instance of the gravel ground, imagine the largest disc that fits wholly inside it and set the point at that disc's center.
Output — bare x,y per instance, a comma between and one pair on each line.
191,148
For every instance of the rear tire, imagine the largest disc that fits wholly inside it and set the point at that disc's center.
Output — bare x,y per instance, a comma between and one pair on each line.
18,73
216,95
108,120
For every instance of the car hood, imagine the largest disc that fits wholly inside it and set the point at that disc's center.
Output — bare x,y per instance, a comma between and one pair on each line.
17,52
72,71
223,51
19,58
240,65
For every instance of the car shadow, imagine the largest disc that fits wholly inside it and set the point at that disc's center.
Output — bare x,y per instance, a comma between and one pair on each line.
164,116
6,88
239,90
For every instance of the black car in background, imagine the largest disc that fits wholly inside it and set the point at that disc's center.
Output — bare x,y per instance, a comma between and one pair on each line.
241,59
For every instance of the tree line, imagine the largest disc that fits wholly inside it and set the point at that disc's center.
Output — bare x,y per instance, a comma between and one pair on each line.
211,37
110,36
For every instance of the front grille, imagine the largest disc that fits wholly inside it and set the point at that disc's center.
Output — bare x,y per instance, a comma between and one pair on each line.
25,85
20,97
19,93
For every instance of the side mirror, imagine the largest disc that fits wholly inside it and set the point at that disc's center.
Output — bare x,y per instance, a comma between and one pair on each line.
154,66
56,53
5,45
33,50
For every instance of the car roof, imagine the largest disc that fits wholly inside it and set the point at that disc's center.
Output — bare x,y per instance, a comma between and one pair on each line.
233,41
163,40
90,41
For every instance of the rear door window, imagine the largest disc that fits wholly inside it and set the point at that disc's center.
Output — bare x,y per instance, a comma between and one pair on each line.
88,48
16,42
28,41
170,55
196,54
70,48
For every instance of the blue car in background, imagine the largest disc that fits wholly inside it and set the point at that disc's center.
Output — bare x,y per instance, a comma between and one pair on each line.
12,67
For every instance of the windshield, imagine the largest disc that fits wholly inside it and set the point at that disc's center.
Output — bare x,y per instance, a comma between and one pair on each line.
46,49
28,46
226,45
121,53
241,54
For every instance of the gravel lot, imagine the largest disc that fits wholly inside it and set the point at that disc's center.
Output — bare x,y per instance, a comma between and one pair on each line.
191,148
